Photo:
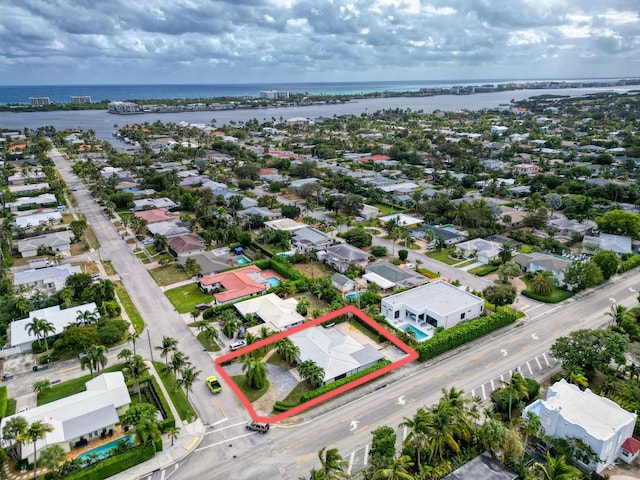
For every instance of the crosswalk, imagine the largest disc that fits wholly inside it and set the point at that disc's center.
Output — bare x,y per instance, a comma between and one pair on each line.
535,367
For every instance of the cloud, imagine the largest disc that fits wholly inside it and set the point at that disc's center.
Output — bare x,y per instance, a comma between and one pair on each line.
224,41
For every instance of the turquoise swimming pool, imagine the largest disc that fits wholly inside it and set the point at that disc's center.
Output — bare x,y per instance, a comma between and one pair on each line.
242,260
419,334
273,281
103,450
353,295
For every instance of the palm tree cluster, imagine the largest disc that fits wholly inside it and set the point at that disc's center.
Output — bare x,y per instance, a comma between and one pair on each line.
184,372
41,329
94,358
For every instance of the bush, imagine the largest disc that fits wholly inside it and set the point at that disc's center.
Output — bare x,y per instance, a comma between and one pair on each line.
3,401
112,331
403,254
343,381
116,464
463,333
37,347
632,262
378,251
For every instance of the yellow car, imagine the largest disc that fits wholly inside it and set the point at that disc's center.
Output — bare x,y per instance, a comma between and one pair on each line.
214,384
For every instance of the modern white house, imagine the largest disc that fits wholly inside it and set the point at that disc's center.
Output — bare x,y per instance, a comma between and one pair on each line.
339,355
619,244
37,219
58,242
539,262
275,313
22,339
308,238
438,304
402,219
80,417
569,412
341,255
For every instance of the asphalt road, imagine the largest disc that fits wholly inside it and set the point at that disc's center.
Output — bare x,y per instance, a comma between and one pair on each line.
157,312
290,451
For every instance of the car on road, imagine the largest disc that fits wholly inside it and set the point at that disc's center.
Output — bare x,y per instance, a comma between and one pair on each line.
74,189
214,384
258,427
235,346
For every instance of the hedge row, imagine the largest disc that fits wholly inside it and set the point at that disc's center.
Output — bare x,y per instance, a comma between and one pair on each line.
463,333
630,263
343,381
281,406
209,313
117,464
3,401
169,421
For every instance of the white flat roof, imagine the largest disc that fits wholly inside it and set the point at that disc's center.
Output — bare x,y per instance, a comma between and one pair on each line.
439,297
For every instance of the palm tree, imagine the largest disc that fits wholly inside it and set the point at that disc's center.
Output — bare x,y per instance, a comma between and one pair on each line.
160,243
41,386
41,329
52,456
209,331
617,314
446,427
36,431
177,363
531,425
393,231
173,433
398,471
145,429
543,283
188,376
132,337
136,368
576,377
492,436
125,354
86,362
87,317
255,371
168,345
13,432
94,358
556,469
505,253
517,387
332,464
288,350
311,372
416,439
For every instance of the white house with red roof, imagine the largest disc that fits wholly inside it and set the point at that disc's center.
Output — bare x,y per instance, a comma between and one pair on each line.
235,284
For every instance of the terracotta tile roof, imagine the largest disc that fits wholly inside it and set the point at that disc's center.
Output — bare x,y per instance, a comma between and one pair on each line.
631,445
185,243
237,283
154,216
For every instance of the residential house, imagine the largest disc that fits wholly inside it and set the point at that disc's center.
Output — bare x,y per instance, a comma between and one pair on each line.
338,355
369,211
539,262
262,211
21,338
156,215
485,251
492,164
401,219
286,224
483,467
450,236
78,418
566,227
387,276
619,244
307,239
49,280
602,424
342,283
526,169
35,220
296,184
25,177
150,203
235,284
28,188
186,245
25,203
341,255
438,304
630,450
57,242
169,229
520,191
209,262
275,313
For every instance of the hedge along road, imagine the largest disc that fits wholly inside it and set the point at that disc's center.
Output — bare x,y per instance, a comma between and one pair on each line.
157,312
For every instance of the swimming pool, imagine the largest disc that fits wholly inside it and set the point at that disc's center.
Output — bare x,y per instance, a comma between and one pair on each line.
353,295
284,255
273,281
103,450
242,260
419,334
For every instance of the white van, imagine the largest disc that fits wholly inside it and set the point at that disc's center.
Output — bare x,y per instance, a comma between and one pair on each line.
235,346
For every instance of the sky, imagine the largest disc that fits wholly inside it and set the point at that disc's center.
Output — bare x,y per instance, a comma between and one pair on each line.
52,42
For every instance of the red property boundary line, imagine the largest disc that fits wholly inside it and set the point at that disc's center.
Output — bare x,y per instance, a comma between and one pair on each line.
349,309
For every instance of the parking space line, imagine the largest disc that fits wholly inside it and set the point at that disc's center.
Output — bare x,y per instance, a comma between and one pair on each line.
530,370
539,364
493,387
484,393
544,355
366,455
353,454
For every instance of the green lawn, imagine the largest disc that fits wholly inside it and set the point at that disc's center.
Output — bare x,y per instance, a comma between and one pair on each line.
71,387
12,403
427,273
443,256
178,397
525,248
387,210
168,275
276,359
483,270
250,393
557,295
296,394
185,298
211,346
129,307
469,262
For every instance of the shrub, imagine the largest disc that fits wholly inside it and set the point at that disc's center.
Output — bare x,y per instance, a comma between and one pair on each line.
632,262
116,464
378,251
463,333
112,331
3,401
403,254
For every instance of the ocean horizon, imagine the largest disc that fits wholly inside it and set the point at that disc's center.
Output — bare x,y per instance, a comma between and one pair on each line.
19,94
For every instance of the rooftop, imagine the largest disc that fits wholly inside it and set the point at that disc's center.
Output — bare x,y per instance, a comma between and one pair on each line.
439,297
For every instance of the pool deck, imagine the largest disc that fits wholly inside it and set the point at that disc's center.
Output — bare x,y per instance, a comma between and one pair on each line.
118,433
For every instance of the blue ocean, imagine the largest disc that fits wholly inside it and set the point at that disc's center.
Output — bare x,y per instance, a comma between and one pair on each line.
19,94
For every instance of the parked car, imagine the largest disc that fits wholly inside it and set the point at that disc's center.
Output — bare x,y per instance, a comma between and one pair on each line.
241,331
235,346
214,384
258,427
